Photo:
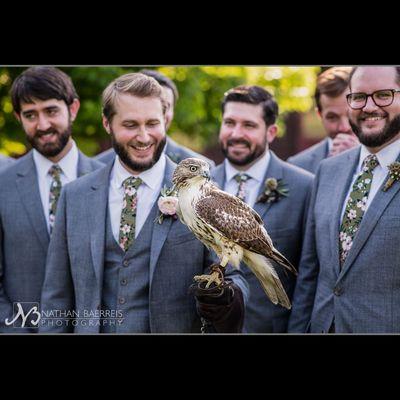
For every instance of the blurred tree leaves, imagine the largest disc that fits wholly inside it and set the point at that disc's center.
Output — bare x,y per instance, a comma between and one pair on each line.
197,114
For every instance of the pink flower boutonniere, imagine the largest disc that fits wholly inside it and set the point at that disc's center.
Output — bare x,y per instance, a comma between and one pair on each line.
167,204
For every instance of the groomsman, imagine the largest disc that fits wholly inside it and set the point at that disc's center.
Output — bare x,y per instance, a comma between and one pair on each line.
119,262
46,104
330,99
278,191
176,152
349,277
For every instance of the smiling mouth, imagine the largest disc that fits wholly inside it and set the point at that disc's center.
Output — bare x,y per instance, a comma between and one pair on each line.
141,148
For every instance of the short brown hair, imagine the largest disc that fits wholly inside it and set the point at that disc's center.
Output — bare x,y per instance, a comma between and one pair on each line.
254,95
43,83
332,83
135,84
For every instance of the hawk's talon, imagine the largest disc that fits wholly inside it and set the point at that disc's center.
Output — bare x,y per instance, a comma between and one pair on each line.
216,276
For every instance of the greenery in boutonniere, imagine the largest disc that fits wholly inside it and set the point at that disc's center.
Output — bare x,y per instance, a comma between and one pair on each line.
274,190
394,175
167,204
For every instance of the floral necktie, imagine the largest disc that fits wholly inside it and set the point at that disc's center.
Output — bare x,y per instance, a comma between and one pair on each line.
241,179
128,214
55,191
356,205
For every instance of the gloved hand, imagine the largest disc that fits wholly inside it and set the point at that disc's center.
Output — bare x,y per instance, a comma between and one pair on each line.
222,308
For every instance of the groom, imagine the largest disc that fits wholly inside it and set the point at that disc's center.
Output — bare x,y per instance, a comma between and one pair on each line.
110,257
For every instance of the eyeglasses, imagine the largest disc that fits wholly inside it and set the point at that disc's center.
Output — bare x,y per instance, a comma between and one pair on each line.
381,98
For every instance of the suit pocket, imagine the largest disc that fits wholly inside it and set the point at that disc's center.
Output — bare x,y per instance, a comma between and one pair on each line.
182,238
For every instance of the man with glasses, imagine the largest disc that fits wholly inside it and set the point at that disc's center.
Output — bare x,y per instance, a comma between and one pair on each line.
349,275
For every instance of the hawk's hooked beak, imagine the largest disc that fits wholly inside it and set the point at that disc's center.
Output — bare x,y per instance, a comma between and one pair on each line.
206,175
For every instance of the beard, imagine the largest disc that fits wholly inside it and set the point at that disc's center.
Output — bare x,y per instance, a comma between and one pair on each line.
132,164
254,155
389,131
51,149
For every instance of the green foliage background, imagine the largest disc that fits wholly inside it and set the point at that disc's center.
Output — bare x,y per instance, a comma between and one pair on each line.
197,114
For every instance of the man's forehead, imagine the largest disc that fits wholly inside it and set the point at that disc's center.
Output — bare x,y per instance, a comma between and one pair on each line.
40,104
243,110
140,106
374,78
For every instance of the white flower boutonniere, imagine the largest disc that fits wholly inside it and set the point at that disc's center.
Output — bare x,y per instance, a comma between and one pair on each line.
167,204
394,175
274,190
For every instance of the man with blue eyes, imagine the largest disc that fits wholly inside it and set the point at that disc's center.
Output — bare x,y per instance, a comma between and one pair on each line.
331,107
248,126
45,102
349,276
119,259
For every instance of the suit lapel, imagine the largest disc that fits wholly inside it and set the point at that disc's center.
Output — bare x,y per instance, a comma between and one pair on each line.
274,170
369,221
96,207
340,182
28,189
218,176
160,231
84,165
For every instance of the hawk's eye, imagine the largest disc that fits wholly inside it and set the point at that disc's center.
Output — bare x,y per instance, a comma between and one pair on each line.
193,168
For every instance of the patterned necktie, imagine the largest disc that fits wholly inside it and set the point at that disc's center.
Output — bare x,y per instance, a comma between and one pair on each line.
128,214
356,205
55,190
241,179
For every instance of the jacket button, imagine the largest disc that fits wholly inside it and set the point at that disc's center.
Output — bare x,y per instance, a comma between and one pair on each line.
125,263
337,291
124,282
121,300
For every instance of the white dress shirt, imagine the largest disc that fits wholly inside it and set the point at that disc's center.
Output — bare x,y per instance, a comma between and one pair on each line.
253,185
386,156
69,172
147,193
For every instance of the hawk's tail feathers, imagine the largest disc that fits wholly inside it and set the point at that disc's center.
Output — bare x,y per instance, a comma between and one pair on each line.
269,279
282,260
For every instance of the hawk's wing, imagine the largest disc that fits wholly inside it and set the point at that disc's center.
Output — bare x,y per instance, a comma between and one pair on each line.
235,220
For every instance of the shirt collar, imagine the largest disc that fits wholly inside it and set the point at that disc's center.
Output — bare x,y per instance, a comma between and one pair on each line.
68,163
152,177
256,171
386,156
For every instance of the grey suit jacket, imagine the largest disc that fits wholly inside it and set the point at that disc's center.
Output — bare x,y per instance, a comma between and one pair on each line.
310,159
364,295
75,264
5,161
24,237
284,221
173,150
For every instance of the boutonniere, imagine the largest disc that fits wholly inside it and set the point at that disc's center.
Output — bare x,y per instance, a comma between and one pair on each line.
274,190
394,175
167,204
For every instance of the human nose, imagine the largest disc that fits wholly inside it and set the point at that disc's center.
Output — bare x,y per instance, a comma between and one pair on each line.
344,125
43,123
370,105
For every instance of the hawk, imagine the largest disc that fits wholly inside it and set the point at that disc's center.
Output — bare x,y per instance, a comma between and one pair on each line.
230,227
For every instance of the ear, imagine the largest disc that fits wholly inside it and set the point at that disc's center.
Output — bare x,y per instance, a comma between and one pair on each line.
318,112
272,131
74,108
106,124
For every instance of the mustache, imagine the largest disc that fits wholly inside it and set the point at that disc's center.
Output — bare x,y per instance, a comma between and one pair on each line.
42,133
232,142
